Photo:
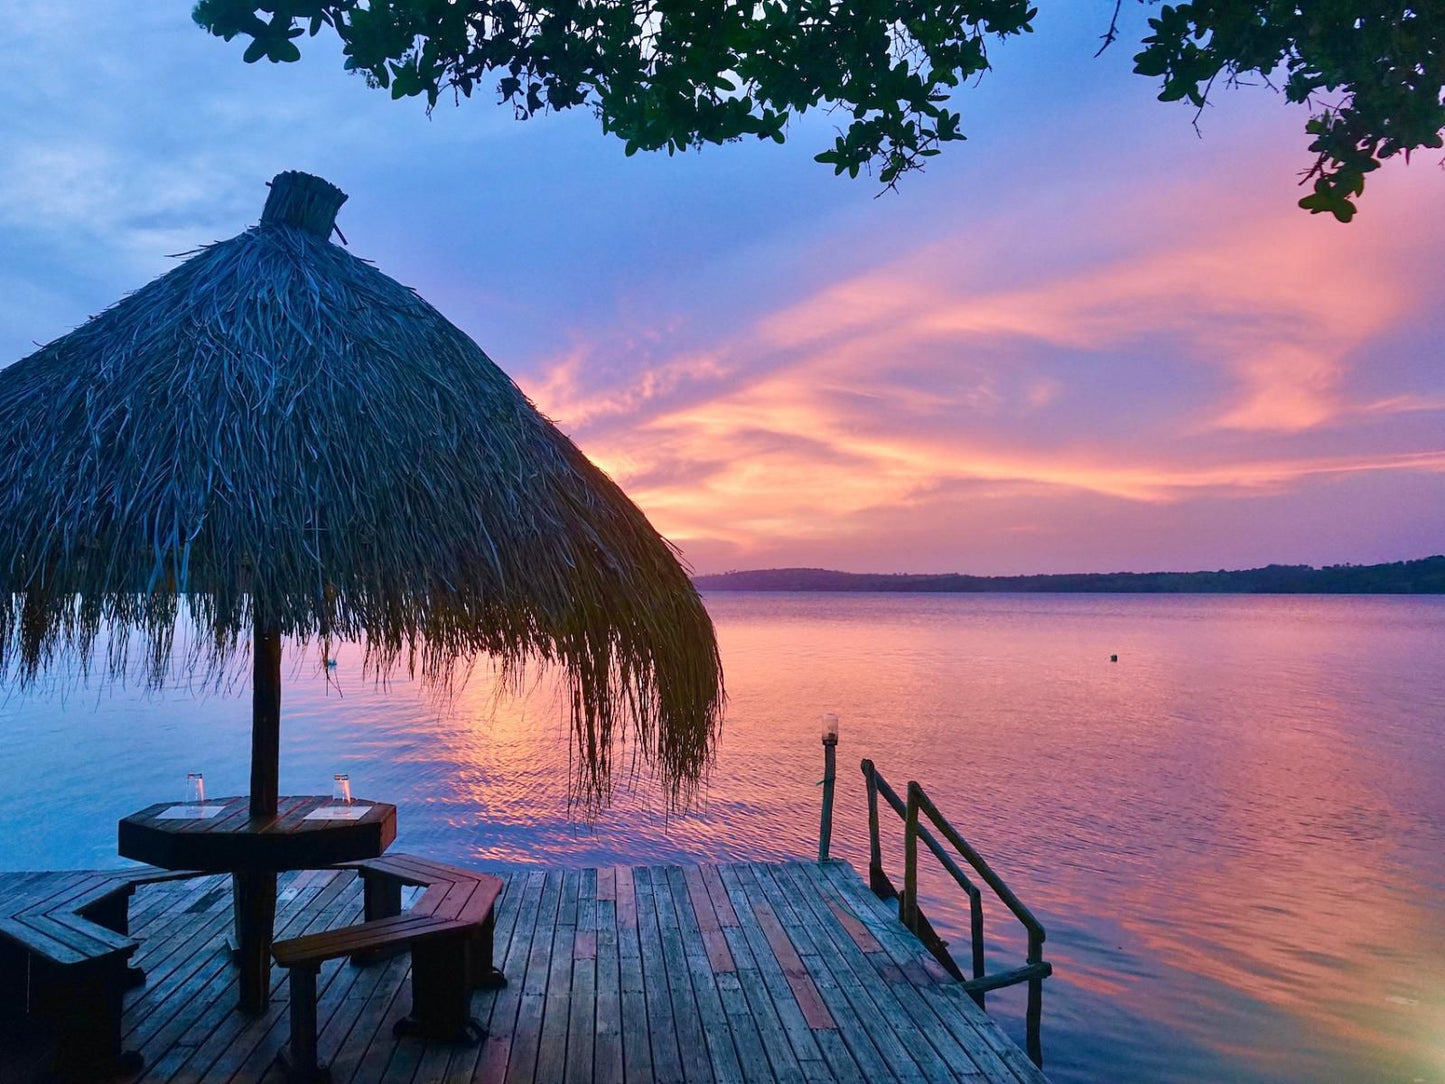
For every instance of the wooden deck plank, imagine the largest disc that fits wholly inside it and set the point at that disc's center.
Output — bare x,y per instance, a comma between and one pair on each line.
716,976
676,974
228,1050
661,1024
686,1016
522,1059
552,1054
497,1009
219,1026
582,1018
903,1014
790,1015
718,1032
892,1030
857,1033
795,971
636,1038
259,1043
970,1026
607,1054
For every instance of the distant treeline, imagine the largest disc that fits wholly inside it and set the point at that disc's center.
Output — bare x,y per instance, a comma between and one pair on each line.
1423,577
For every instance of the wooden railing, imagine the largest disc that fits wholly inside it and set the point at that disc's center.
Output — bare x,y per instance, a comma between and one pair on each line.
912,811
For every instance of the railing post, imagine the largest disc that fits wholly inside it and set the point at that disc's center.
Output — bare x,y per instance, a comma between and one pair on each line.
830,772
908,906
975,915
1033,1020
877,879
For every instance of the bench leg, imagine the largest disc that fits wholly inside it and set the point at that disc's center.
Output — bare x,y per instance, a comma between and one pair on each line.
482,971
381,895
381,898
299,1058
440,993
88,1025
113,912
14,980
254,901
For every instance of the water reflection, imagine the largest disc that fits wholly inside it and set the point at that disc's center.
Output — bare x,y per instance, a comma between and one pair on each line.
1234,834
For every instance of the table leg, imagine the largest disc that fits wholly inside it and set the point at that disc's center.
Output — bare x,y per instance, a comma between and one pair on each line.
254,900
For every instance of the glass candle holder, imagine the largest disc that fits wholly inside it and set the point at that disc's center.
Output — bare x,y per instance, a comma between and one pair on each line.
830,726
195,788
341,788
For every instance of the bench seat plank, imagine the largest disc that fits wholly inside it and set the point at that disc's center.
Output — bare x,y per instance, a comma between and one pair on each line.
449,931
41,944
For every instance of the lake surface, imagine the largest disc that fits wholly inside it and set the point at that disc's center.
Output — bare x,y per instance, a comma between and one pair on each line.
1235,835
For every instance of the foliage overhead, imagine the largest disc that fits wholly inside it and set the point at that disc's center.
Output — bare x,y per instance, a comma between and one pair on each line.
680,73
1372,72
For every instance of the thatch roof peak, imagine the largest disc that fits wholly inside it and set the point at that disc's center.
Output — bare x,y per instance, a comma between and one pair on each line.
276,432
304,201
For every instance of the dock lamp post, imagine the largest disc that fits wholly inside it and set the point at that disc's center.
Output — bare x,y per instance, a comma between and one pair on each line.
830,772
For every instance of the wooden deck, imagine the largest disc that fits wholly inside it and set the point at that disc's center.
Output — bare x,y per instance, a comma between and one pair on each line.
787,972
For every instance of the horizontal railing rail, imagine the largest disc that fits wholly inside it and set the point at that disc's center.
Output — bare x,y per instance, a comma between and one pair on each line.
913,811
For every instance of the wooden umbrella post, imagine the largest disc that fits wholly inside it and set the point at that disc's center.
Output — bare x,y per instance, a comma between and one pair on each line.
254,890
265,721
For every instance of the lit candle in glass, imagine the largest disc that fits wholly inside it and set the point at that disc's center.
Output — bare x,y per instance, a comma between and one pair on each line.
195,788
341,788
830,726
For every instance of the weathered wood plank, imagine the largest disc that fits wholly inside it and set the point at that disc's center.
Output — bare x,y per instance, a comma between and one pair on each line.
721,1049
691,1037
721,901
522,1059
785,1004
624,886
967,1026
490,1061
607,1057
582,1013
940,1055
636,1038
552,1055
805,991
859,1034
716,945
904,1047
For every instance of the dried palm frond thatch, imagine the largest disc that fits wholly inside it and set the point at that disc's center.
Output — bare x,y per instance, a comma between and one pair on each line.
275,435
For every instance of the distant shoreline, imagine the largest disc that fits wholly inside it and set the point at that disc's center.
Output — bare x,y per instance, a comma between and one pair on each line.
1423,577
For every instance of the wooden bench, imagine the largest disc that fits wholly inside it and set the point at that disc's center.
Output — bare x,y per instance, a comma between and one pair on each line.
65,949
448,931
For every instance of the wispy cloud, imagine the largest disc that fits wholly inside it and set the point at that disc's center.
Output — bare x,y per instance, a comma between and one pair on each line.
1218,365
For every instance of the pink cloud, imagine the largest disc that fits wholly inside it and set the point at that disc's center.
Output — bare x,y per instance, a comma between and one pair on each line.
816,425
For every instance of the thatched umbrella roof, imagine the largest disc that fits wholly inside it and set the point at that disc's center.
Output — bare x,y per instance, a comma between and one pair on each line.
276,436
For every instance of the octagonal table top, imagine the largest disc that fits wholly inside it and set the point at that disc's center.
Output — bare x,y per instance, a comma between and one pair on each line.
304,833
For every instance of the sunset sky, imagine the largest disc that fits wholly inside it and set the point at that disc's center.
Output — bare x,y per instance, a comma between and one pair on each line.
1086,339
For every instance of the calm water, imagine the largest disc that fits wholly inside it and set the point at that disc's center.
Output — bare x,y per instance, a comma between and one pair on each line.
1234,835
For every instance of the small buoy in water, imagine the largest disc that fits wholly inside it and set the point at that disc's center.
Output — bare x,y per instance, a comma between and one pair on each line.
331,664
1112,658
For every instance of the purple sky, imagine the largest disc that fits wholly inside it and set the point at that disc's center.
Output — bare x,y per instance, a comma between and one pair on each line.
1086,339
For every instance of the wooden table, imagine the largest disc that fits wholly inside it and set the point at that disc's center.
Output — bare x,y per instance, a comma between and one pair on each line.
253,850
